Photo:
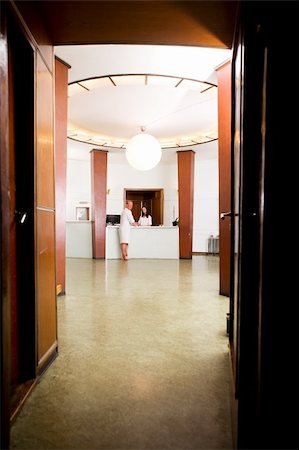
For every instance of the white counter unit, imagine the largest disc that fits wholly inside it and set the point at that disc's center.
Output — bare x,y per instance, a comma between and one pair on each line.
78,239
145,242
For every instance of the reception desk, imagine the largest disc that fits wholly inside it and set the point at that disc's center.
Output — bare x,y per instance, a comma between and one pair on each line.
145,242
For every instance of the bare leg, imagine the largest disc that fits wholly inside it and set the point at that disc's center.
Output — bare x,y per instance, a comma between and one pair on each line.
124,251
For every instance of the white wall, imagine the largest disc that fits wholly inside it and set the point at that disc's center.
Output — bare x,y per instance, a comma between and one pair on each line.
120,175
206,196
78,188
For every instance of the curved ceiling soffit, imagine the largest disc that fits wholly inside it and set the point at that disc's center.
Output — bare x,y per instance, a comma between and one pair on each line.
85,85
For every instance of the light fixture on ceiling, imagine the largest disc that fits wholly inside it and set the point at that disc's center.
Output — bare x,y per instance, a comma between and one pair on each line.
143,151
206,92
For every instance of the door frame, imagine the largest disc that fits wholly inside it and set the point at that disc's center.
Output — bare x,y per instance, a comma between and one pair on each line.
11,24
21,69
4,241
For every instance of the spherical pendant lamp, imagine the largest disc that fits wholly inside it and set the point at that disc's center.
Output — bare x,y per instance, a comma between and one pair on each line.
143,151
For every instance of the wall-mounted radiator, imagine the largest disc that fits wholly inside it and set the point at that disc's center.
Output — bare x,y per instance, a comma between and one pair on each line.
213,245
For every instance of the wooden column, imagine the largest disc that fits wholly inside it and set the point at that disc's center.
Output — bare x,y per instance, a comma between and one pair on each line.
61,85
98,202
186,194
224,149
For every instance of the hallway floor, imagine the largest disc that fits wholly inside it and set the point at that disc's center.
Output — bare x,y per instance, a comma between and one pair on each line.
143,361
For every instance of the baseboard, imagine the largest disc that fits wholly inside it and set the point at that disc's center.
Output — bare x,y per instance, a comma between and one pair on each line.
23,390
58,289
199,253
205,253
47,359
19,396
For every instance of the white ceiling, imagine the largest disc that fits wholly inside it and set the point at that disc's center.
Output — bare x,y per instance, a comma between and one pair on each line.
116,113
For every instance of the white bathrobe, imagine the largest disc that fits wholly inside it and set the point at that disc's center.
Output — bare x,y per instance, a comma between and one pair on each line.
126,220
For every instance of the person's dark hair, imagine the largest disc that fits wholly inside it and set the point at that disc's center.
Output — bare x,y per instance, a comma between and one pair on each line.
143,214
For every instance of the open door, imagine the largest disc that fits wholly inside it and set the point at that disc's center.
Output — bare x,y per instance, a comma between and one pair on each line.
238,67
246,217
262,307
22,234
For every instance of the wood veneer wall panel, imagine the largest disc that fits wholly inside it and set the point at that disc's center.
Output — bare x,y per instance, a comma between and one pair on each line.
45,215
46,287
186,195
224,158
45,135
98,199
61,86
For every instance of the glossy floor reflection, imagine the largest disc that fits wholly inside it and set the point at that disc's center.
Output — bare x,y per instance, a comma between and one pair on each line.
143,361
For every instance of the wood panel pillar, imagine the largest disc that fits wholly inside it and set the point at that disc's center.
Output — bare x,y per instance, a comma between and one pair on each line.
224,158
186,195
98,202
61,86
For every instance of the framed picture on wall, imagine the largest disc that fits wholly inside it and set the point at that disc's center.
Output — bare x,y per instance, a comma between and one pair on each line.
82,213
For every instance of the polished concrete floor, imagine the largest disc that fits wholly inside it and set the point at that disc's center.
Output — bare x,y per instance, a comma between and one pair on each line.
143,361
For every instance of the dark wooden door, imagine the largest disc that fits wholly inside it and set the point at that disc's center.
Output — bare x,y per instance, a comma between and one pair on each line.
157,209
238,68
136,210
262,305
21,176
224,162
245,220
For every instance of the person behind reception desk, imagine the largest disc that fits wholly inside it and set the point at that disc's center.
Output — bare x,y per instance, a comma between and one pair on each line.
145,218
126,221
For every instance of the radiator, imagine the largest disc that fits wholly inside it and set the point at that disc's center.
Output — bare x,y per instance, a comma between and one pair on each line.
213,245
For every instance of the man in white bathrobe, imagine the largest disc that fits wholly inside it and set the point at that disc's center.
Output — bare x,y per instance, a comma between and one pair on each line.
126,221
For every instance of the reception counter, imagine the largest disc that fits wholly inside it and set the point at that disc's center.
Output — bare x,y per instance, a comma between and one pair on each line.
160,242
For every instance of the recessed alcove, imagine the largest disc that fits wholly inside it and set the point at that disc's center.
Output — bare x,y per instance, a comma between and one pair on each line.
152,199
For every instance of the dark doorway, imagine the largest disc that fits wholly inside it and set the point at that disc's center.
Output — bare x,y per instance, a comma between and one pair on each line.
152,199
21,221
